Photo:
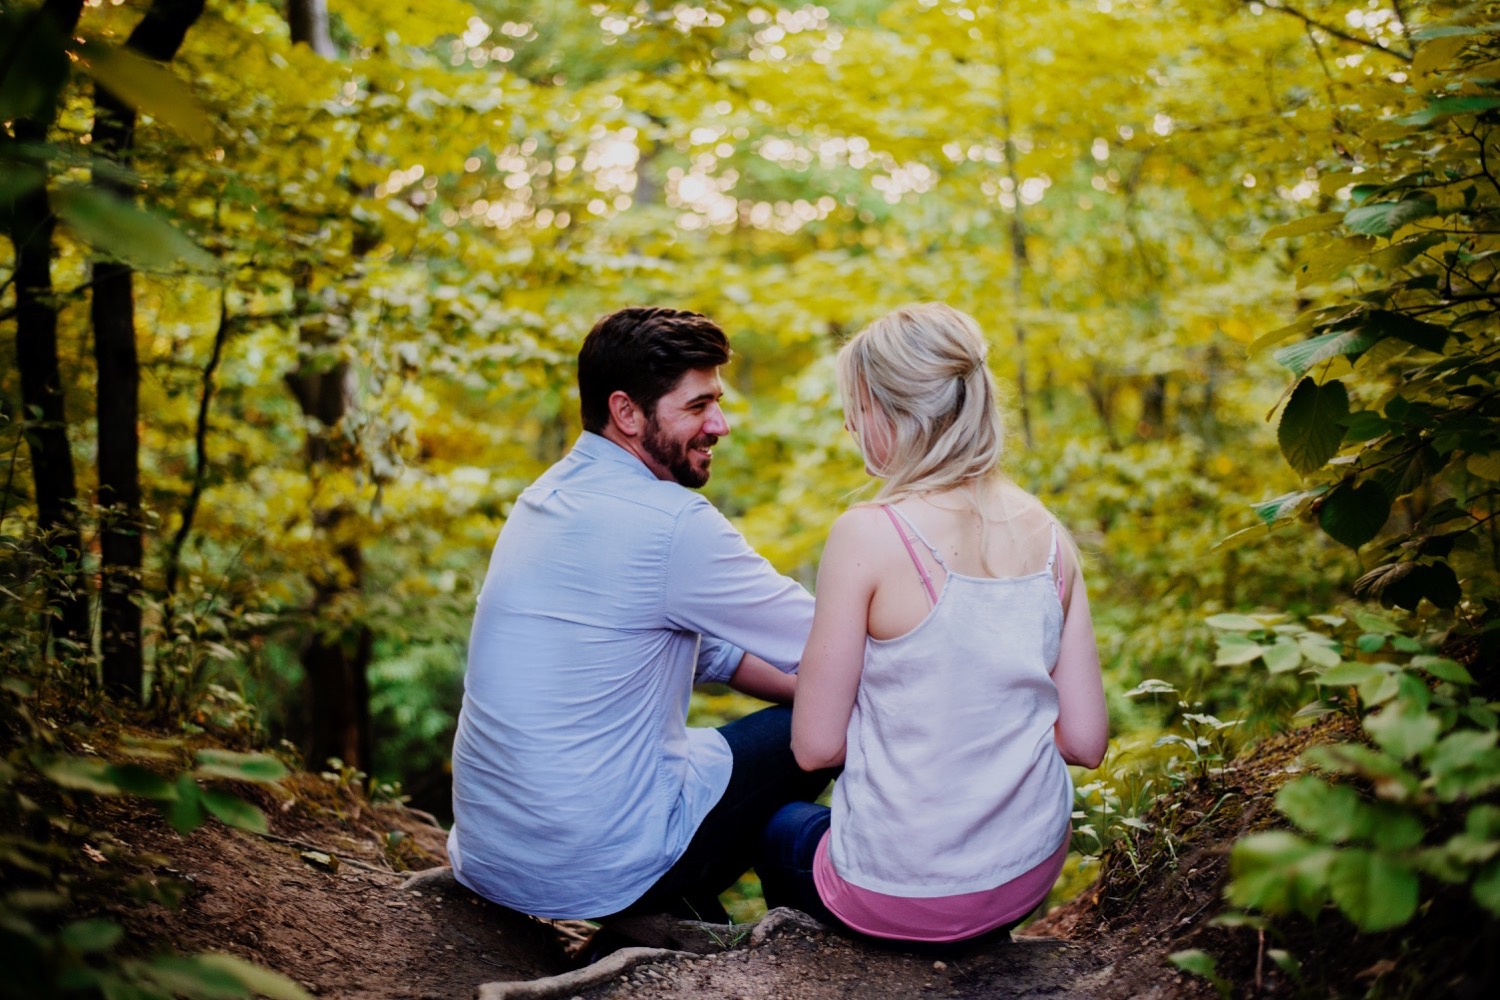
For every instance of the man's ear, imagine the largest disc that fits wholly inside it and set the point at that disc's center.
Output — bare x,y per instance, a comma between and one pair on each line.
626,414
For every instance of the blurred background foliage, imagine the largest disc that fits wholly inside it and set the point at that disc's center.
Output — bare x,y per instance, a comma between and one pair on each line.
365,251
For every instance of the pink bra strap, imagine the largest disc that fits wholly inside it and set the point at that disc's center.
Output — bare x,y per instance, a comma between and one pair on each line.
926,579
1056,560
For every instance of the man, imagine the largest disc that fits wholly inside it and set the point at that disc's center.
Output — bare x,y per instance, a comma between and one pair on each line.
578,789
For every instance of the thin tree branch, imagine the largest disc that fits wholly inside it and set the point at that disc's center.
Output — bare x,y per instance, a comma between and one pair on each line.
200,466
1327,29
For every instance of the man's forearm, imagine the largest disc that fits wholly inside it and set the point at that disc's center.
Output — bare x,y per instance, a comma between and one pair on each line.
760,679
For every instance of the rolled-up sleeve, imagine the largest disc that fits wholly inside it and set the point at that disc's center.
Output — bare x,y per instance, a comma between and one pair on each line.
717,661
720,587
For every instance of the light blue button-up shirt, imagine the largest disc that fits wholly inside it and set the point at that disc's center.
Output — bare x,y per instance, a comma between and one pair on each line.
576,780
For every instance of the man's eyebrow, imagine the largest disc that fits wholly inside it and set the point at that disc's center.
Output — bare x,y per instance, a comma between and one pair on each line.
705,397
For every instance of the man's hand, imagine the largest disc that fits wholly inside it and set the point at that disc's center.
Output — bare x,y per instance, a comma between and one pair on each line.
759,679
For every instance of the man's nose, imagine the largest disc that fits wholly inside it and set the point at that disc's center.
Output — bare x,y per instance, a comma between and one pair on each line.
716,424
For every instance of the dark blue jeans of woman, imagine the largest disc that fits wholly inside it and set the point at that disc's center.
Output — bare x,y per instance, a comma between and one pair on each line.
765,778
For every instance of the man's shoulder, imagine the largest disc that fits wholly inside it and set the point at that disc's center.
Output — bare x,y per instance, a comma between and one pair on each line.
610,483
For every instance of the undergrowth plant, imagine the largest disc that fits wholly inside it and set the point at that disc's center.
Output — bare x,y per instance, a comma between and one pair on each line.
55,865
1379,824
61,869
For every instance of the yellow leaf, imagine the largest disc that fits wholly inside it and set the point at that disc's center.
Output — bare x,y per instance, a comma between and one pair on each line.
149,87
1484,466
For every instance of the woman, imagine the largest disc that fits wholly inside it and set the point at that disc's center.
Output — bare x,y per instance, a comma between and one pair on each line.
951,668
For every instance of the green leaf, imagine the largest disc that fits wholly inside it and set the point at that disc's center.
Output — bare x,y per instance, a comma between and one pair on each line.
1427,32
1279,872
89,936
235,811
1301,356
1365,425
1282,656
1464,764
1234,653
1150,685
1486,887
1354,514
137,780
1385,217
84,774
1375,891
1311,424
190,976
1234,623
148,87
1330,812
1442,668
1418,333
257,980
1371,622
1319,650
120,229
17,179
1389,779
1338,813
1404,732
1273,510
239,766
1199,963
1370,642
1446,107
1352,672
1301,227
185,812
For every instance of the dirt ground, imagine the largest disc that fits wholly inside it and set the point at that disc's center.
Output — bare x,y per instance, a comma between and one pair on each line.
322,901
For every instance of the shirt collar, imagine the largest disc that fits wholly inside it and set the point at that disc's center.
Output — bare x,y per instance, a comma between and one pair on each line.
602,449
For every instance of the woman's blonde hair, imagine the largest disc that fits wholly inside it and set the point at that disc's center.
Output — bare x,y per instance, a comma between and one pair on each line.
922,367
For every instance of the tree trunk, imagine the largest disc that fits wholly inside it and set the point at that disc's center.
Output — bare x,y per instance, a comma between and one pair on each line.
335,662
336,679
1019,261
1153,406
158,36
60,543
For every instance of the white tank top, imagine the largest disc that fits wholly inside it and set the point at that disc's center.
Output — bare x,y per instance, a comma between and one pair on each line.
952,782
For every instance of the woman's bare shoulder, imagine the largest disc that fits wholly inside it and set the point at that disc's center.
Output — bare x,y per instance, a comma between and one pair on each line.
860,524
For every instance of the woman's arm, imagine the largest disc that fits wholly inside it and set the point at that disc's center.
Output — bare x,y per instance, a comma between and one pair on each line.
835,656
1082,730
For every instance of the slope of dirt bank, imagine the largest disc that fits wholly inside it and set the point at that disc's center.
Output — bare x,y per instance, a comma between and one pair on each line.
321,901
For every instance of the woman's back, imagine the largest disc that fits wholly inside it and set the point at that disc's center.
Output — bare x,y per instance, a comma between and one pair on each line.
952,783
1014,539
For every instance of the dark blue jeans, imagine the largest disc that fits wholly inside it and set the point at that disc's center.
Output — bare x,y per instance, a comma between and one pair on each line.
785,867
765,778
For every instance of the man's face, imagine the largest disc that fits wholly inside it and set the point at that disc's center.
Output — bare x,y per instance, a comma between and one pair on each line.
687,423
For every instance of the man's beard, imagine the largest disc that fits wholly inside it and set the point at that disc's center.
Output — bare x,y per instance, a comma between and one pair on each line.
675,456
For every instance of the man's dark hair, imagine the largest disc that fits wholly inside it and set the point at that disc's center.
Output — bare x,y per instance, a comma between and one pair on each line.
643,352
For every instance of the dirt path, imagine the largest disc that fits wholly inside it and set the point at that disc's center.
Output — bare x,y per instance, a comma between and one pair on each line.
323,900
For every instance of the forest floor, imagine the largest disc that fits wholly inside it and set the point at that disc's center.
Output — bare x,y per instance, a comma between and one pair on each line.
321,900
